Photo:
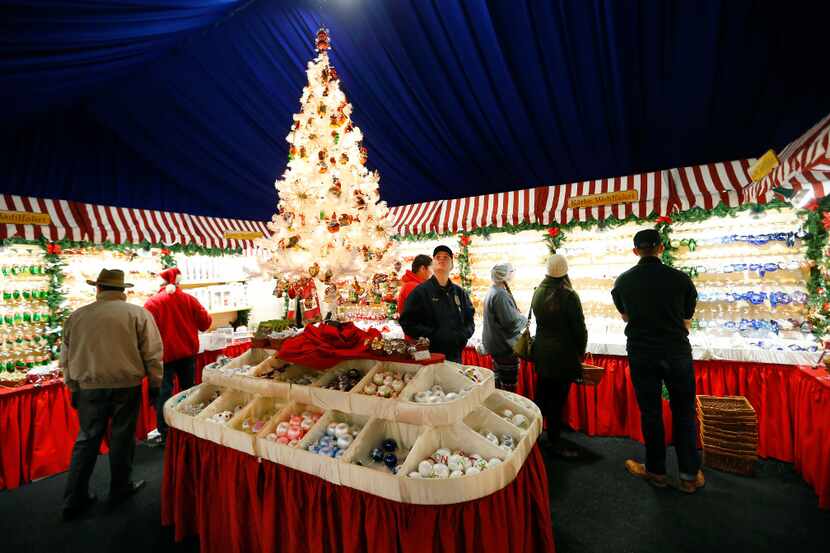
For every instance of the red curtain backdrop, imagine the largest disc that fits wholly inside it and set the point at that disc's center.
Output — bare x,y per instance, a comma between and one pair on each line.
792,403
235,503
38,425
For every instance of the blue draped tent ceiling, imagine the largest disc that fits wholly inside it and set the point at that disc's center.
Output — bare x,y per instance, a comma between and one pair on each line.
184,105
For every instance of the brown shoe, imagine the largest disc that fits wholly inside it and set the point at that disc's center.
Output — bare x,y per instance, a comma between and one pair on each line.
691,486
639,470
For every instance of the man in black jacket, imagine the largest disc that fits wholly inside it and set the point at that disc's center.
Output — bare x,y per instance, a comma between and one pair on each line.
658,303
440,310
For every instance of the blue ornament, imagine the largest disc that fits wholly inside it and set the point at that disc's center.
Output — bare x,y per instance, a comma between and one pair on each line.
389,445
390,460
377,455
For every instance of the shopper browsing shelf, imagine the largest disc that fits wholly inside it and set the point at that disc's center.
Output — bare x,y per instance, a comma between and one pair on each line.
440,310
503,324
108,347
559,346
421,272
657,303
179,317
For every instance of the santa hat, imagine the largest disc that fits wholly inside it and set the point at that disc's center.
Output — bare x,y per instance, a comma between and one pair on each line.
171,276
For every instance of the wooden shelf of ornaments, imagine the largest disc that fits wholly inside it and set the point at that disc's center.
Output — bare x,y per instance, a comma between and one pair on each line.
494,430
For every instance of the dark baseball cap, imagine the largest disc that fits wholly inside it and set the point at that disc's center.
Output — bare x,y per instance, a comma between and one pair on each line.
442,248
648,238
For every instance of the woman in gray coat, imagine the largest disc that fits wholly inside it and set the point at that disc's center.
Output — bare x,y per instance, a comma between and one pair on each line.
503,324
559,346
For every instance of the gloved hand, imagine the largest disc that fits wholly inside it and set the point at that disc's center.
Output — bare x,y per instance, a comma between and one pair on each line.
73,399
153,393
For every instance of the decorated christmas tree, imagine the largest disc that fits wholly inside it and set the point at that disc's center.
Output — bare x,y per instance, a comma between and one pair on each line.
330,224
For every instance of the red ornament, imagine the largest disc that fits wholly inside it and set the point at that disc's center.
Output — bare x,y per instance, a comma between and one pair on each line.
825,221
553,231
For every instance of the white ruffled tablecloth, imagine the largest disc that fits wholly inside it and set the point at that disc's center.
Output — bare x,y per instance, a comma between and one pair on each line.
704,348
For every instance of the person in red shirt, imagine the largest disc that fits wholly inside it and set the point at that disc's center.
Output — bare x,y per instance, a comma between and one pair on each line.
421,271
179,317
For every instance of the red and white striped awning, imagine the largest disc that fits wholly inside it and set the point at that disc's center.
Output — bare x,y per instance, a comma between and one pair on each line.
65,222
654,197
414,218
803,165
489,210
121,225
215,231
708,185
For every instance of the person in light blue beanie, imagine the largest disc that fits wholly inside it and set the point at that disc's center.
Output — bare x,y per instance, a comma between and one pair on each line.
503,324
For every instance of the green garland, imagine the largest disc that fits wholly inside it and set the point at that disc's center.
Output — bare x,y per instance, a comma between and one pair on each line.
463,258
55,296
187,249
167,259
818,285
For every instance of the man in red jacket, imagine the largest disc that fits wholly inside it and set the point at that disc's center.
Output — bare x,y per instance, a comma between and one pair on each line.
421,271
179,317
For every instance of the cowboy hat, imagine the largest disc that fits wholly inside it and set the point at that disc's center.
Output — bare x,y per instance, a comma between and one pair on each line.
110,277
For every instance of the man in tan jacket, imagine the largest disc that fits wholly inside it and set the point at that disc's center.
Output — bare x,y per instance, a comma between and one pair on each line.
109,346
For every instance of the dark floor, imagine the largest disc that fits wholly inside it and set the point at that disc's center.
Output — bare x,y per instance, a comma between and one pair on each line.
596,507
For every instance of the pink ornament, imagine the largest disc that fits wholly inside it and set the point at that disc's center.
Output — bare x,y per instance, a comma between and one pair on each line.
293,433
282,428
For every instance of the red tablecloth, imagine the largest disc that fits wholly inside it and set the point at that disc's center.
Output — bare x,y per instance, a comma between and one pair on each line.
792,403
38,426
37,430
235,503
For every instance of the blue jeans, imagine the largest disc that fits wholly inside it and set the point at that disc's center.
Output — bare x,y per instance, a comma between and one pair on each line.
648,373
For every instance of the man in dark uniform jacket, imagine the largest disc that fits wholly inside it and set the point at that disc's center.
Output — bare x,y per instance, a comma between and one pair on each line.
440,310
658,303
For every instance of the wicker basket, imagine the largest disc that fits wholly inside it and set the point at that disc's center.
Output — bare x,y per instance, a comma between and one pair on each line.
728,406
739,448
592,374
729,462
736,427
746,437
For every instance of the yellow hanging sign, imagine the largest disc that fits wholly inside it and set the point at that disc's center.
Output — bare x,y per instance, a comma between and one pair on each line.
24,218
253,235
606,198
764,166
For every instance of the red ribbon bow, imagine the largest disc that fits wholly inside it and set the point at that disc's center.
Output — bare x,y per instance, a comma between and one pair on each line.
53,249
553,231
165,251
465,240
825,221
664,219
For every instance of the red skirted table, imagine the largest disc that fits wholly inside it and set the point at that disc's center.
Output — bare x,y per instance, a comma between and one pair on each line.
792,403
37,430
38,425
234,503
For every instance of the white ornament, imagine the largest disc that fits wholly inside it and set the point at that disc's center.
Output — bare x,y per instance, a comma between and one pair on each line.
425,468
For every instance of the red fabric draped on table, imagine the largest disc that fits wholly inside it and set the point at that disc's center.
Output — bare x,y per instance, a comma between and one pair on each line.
37,431
792,403
235,503
38,426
